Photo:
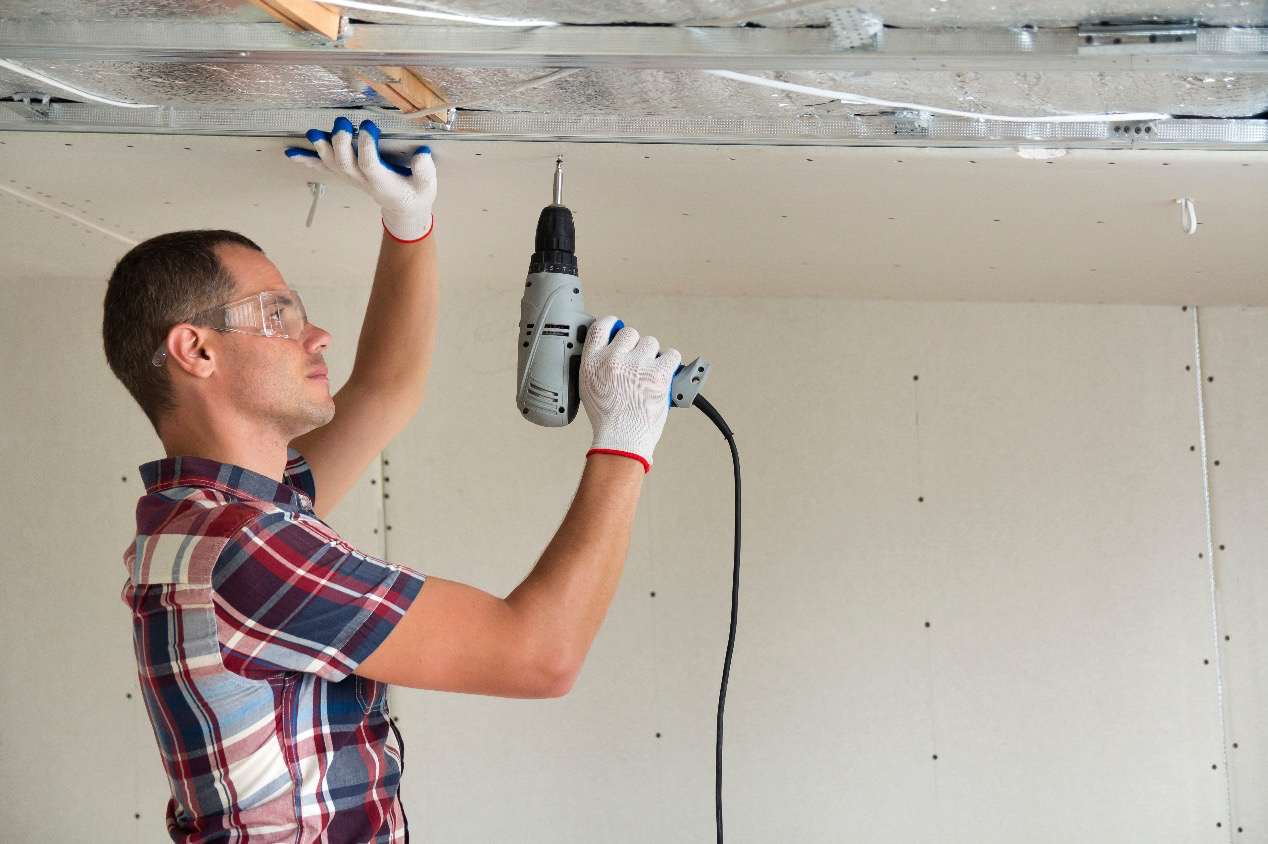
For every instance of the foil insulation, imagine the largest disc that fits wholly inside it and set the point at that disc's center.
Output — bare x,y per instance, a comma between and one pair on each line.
243,86
666,93
905,13
242,11
692,93
909,13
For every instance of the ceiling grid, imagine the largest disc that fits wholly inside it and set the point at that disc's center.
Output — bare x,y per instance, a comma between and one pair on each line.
1063,74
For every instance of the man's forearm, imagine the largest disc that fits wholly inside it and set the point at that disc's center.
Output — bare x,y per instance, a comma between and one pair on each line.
565,598
397,337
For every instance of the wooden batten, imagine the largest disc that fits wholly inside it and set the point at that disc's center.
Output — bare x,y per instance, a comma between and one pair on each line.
410,93
305,15
407,90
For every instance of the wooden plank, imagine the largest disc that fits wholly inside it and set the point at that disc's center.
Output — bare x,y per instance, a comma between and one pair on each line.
305,15
411,93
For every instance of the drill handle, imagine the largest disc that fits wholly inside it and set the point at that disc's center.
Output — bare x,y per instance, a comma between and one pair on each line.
688,380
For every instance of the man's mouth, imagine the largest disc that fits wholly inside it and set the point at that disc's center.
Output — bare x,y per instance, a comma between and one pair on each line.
321,374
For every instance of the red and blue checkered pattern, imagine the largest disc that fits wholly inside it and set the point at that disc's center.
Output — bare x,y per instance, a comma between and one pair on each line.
250,616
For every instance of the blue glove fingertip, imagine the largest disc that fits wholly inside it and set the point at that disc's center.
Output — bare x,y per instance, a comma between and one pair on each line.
423,151
617,326
298,152
372,129
315,135
343,124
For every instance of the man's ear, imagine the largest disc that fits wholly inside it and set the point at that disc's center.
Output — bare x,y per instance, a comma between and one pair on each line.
192,349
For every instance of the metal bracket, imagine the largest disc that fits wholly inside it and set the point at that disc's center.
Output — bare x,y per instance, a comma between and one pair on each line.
27,105
912,124
1134,131
688,383
1138,38
451,115
854,29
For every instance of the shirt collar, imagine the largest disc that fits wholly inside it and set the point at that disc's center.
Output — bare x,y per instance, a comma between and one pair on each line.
243,483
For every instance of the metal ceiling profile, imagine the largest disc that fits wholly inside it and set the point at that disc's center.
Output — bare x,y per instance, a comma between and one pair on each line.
896,72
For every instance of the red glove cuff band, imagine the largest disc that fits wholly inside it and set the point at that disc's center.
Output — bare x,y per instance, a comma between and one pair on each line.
415,240
647,467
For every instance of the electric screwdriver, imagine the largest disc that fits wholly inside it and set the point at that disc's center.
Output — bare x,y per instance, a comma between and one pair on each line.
554,322
553,326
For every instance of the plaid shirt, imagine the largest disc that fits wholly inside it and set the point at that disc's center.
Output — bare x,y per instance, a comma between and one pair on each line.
249,617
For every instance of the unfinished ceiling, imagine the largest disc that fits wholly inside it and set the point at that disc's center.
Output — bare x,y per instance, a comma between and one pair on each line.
1127,73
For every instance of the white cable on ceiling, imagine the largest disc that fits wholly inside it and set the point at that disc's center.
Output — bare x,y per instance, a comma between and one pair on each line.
443,16
1188,217
859,99
78,93
524,86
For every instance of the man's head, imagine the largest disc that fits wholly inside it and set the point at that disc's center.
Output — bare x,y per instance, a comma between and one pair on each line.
163,295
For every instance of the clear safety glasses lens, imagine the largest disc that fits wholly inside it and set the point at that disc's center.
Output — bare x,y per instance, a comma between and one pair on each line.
273,313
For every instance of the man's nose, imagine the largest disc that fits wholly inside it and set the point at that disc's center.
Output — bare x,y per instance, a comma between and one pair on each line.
316,338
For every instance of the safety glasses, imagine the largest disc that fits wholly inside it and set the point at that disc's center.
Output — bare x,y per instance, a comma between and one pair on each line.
272,313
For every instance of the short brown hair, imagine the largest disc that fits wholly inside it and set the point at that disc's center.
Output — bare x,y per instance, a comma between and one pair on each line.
161,282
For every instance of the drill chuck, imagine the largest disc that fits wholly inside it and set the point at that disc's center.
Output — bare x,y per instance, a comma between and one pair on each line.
555,245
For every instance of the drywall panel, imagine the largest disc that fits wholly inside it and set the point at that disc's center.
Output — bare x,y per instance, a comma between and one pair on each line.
1235,387
1090,226
1059,682
73,726
1069,620
1060,670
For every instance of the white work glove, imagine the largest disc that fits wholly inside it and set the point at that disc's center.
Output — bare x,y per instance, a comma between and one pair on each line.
405,195
625,390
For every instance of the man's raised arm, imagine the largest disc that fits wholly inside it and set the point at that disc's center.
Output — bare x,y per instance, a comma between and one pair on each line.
533,642
394,350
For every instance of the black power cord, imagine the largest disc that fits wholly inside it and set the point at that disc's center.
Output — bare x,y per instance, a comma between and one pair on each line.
717,419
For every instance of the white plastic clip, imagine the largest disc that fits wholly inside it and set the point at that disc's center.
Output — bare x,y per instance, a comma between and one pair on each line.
1188,215
319,190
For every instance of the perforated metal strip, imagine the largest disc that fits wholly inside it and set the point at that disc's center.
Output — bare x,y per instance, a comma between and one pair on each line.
887,130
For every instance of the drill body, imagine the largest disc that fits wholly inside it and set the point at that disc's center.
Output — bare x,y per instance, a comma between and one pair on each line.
553,321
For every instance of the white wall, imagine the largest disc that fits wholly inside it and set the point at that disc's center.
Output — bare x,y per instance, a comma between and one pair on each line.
1062,681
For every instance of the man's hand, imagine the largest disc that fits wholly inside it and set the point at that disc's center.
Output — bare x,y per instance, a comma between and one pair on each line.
625,390
405,195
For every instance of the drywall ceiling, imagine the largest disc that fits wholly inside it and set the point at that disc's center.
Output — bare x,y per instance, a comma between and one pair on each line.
891,72
1089,226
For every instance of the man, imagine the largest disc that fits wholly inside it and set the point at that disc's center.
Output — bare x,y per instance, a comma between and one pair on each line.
264,641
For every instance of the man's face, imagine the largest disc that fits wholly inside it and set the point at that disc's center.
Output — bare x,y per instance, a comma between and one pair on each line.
282,382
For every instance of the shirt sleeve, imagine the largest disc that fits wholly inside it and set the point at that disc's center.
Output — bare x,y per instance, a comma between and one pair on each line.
290,598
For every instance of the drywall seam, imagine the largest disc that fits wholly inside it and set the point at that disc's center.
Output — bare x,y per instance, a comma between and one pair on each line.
73,217
1210,558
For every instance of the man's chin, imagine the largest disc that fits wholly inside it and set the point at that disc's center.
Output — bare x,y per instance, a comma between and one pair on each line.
317,417
324,414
